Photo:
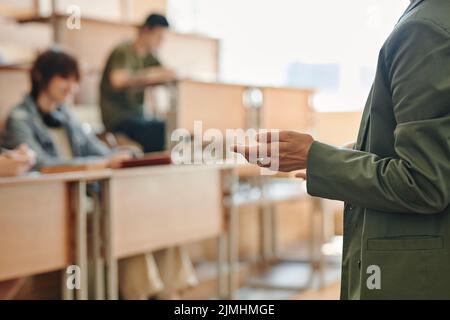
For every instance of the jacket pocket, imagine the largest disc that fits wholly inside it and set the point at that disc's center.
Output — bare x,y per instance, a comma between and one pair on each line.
406,266
405,243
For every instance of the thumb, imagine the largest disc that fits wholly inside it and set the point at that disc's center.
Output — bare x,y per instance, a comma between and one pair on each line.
301,175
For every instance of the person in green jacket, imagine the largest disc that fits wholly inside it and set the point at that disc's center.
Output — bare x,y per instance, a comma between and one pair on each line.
395,181
131,67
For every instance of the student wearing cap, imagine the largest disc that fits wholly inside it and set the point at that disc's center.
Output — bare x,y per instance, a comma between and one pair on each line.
131,67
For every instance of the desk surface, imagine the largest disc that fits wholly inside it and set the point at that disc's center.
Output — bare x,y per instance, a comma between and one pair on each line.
138,171
36,177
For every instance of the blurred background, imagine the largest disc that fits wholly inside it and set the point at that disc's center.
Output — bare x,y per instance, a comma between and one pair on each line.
303,65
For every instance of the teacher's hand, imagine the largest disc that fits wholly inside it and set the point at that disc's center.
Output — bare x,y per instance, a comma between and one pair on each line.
284,151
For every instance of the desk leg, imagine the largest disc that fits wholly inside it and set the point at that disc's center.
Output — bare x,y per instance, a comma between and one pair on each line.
274,231
233,252
311,245
221,257
112,289
81,239
321,238
66,293
268,218
316,241
98,265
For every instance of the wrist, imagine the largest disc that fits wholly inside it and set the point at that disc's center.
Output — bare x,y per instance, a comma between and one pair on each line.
309,143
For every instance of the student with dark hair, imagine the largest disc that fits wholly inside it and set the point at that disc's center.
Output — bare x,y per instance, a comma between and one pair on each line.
130,68
43,122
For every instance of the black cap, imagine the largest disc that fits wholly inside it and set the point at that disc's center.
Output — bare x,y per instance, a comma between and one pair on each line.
156,20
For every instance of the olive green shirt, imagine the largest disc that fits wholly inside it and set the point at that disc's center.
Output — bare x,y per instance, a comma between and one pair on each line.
119,105
396,183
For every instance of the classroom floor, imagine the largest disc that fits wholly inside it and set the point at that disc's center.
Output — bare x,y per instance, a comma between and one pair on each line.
289,280
279,281
284,279
330,292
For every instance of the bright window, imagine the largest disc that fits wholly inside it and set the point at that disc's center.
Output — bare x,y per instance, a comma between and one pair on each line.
329,45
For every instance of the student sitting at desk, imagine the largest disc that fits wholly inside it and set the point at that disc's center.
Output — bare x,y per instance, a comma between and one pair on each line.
14,163
130,68
43,122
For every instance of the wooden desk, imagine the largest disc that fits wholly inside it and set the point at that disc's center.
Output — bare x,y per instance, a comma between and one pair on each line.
287,109
160,207
43,225
217,105
221,106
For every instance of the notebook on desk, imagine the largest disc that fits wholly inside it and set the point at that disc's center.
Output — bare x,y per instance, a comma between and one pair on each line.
155,159
76,165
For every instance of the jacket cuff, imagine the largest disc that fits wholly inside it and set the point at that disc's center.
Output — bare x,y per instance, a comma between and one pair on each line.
319,169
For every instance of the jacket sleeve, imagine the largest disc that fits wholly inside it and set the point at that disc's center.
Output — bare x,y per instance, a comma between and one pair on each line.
92,146
18,131
417,180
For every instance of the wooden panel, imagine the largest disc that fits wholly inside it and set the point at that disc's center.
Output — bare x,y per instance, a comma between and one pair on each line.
217,105
131,11
293,222
34,234
337,128
96,39
109,10
93,43
138,10
19,43
31,35
14,84
160,207
286,109
191,55
18,9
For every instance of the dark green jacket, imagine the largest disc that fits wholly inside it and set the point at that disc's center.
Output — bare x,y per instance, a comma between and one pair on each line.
120,105
396,184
